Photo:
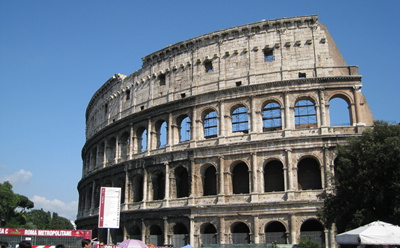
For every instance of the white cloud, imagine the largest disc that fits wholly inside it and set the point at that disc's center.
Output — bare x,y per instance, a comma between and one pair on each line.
20,177
66,210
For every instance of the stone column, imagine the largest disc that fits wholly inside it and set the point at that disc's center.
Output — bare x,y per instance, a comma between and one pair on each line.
149,136
167,185
221,120
166,234
221,181
170,138
256,233
131,143
289,168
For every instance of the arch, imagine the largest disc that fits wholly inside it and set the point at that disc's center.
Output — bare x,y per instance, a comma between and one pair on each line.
209,181
271,116
309,174
314,229
185,127
210,124
158,183
182,182
339,111
134,232
162,133
240,179
124,145
273,176
240,233
156,236
275,231
141,139
240,119
137,188
180,235
111,149
305,114
101,153
208,234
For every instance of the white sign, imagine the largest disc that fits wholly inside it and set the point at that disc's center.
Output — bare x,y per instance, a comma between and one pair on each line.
109,210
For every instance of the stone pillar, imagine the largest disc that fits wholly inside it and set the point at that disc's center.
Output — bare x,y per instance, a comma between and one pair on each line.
131,143
166,234
322,111
167,185
149,136
256,233
221,120
117,151
253,117
193,182
292,227
144,232
254,181
145,186
288,118
191,231
290,177
221,181
170,133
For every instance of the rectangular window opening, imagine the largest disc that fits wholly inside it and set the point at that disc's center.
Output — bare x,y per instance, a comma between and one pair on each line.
302,75
208,66
161,77
183,95
239,83
269,55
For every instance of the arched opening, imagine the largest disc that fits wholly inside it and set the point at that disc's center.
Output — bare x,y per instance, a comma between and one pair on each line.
124,145
182,182
210,181
275,232
309,174
137,188
111,145
156,236
185,129
180,237
135,233
210,125
314,230
118,235
100,156
339,112
208,234
273,176
158,181
162,134
271,116
240,233
240,120
305,114
240,179
142,139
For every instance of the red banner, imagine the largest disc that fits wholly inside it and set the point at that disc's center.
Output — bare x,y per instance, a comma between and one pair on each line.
86,234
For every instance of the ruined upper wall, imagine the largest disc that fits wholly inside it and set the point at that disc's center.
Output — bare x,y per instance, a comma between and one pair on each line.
265,51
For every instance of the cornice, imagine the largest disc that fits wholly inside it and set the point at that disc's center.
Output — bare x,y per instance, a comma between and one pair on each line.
230,33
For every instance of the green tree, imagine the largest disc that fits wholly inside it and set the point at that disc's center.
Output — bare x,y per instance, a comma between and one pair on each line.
9,201
39,219
59,222
367,180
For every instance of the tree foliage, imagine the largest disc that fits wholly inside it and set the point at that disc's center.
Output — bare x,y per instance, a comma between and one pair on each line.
367,180
15,211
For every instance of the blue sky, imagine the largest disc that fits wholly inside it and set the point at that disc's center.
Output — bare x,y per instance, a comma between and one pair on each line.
55,54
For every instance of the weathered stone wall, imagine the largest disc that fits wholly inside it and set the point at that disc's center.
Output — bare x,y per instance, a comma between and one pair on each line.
259,172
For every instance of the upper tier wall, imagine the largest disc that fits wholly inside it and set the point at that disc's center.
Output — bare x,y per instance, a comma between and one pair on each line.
265,51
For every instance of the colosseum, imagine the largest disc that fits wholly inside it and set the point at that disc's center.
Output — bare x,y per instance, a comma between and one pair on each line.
223,139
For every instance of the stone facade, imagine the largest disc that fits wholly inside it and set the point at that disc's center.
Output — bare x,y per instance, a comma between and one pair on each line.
224,138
